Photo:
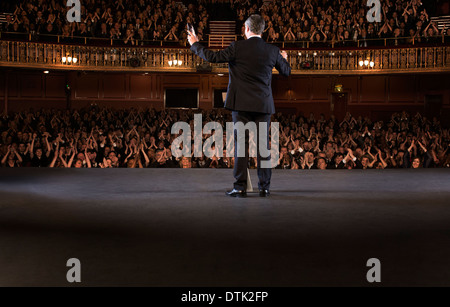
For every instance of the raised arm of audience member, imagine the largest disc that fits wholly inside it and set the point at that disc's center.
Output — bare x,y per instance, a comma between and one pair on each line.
130,154
147,160
352,141
324,35
427,159
139,161
63,160
425,32
174,35
6,155
349,156
127,136
135,158
381,159
312,35
370,154
381,29
374,159
88,161
435,158
390,157
32,146
69,165
49,148
413,147
407,156
94,144
55,156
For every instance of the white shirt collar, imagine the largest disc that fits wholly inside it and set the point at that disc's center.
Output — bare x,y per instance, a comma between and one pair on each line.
254,36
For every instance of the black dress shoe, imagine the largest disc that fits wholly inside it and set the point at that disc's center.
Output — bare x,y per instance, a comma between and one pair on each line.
264,193
236,193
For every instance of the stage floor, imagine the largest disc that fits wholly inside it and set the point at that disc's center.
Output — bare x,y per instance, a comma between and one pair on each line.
175,227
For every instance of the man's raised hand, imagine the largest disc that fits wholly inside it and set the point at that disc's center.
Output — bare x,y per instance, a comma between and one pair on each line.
284,54
192,38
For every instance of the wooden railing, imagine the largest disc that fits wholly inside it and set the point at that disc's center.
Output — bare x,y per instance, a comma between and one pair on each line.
222,40
339,61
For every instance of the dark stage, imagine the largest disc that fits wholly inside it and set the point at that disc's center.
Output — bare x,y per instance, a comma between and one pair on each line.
154,227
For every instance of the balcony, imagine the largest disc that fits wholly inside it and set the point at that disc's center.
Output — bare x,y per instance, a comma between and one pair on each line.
309,60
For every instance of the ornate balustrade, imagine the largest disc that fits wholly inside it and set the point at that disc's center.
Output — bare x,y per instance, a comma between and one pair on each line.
49,56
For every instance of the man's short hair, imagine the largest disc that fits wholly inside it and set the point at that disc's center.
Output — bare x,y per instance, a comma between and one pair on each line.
321,158
256,24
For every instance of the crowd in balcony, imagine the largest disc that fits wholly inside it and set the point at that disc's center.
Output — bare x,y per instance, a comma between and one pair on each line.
105,138
126,22
323,23
307,22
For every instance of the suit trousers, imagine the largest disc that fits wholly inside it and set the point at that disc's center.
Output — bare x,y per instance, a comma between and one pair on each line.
241,163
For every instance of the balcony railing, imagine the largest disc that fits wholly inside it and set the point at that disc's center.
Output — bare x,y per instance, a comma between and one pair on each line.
150,58
98,41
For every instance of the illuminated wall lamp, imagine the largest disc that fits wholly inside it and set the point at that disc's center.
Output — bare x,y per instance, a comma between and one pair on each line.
69,60
175,62
366,64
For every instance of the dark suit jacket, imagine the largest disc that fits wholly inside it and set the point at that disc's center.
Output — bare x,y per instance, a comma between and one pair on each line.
250,65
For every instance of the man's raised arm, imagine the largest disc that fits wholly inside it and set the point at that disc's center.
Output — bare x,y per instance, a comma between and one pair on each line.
222,56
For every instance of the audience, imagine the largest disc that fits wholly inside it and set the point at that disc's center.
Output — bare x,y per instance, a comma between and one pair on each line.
128,22
105,138
321,23
342,23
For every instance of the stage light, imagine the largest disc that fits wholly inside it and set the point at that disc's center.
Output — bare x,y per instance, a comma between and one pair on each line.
179,62
366,62
220,75
372,64
175,62
170,62
361,63
69,59
64,59
46,72
74,60
315,53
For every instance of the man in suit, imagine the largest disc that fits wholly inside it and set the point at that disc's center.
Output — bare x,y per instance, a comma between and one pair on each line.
249,94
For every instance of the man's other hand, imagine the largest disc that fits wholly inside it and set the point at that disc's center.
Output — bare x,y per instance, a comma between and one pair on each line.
284,54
